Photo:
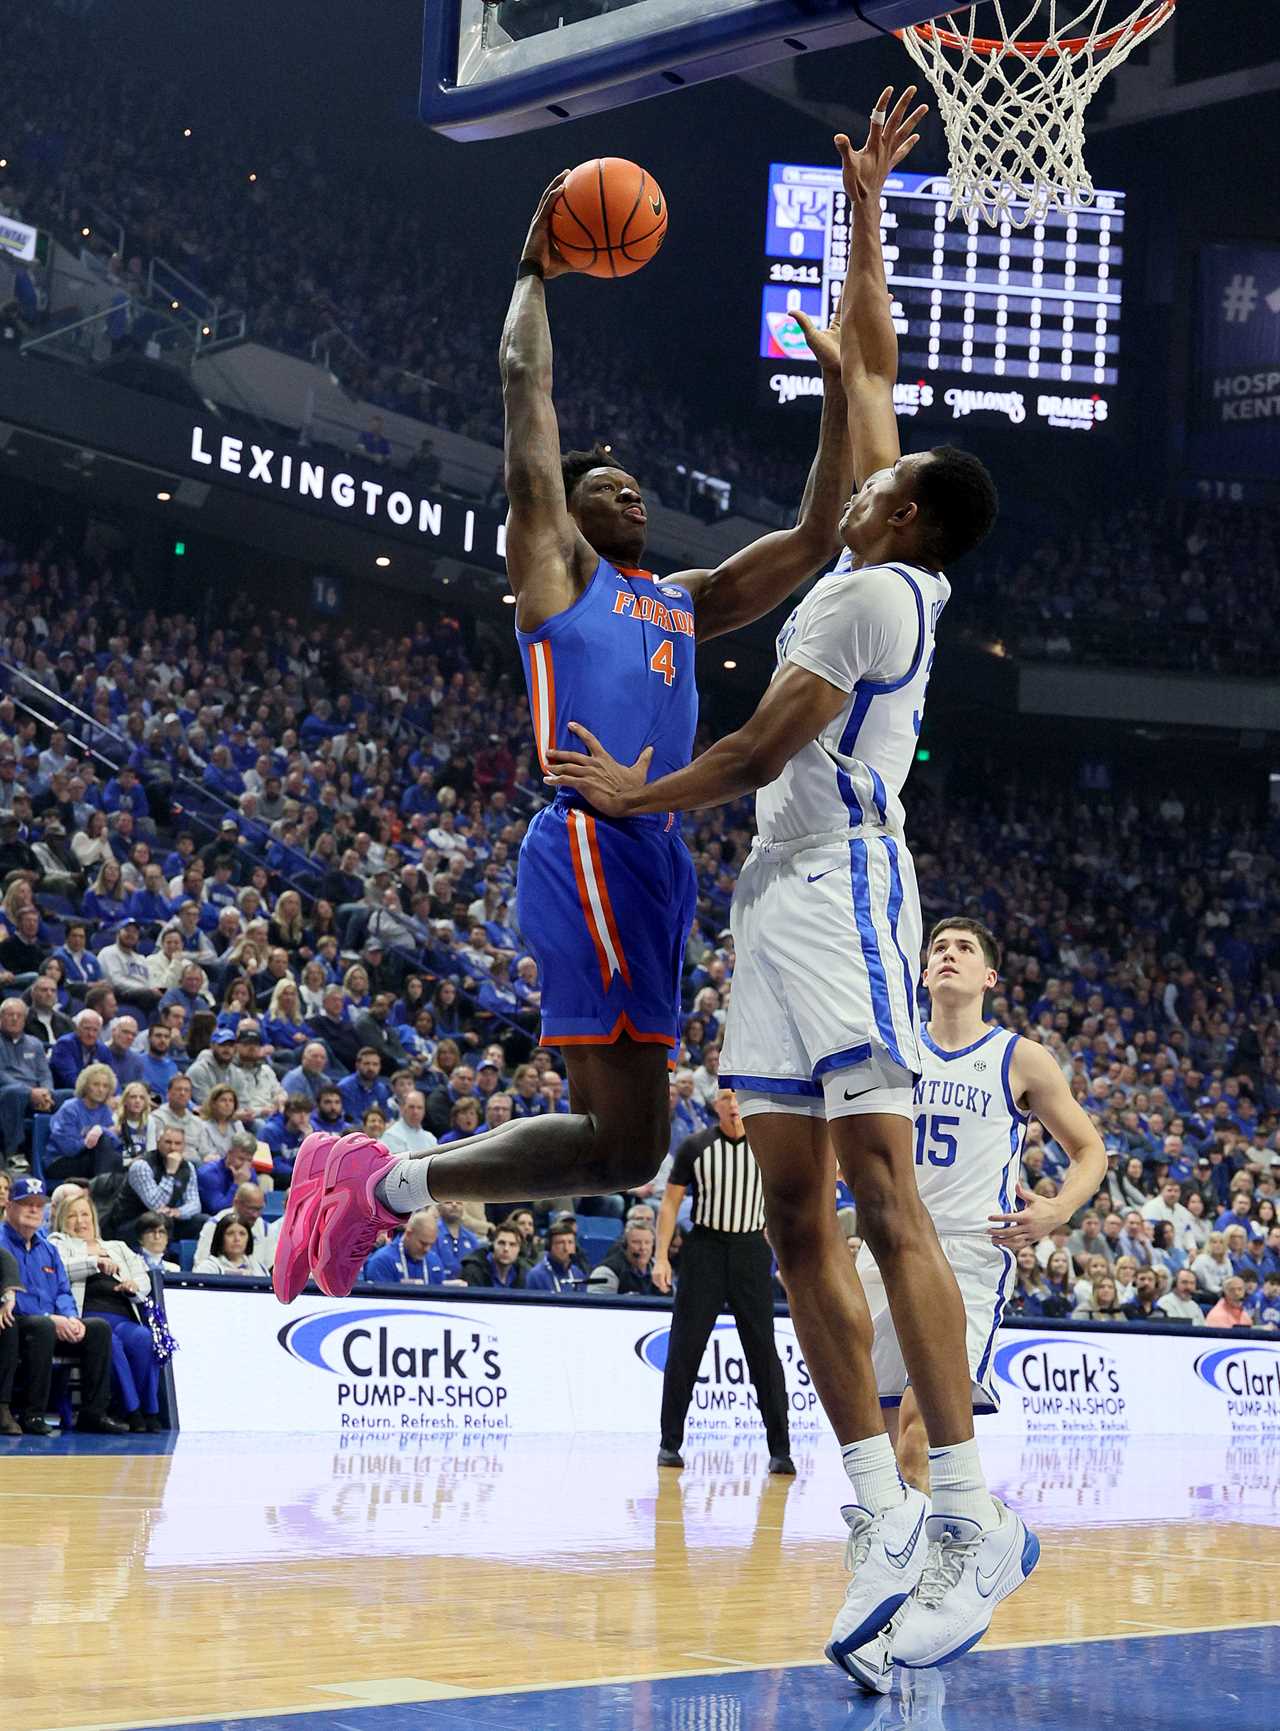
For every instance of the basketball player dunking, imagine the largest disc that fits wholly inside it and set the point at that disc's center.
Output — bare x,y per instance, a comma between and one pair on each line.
979,1085
605,905
822,1045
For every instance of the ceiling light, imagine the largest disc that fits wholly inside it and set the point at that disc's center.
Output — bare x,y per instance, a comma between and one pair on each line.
164,497
731,665
382,560
508,600
186,132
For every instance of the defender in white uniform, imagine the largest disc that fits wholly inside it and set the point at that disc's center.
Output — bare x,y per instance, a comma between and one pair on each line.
968,1148
826,916
979,1087
822,1042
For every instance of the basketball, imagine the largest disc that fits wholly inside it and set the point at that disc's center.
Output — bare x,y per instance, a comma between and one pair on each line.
610,218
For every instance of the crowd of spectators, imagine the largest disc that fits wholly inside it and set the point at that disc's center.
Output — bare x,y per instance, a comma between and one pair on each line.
1163,585
1166,585
344,252
268,882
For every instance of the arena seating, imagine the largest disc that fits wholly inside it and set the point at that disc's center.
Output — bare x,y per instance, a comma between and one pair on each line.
1139,931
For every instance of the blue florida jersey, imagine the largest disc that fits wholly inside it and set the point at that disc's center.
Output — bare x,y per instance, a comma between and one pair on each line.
620,662
869,632
605,904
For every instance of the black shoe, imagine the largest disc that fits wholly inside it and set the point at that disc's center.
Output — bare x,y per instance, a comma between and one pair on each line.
670,1458
33,1424
782,1466
9,1425
135,1421
153,1424
99,1424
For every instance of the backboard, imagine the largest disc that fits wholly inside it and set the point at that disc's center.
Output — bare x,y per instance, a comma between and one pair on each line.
492,67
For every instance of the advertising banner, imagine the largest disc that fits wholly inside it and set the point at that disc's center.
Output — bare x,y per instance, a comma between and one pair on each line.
400,1367
18,239
1235,393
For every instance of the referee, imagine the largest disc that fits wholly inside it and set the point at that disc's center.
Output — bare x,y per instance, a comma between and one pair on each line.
725,1262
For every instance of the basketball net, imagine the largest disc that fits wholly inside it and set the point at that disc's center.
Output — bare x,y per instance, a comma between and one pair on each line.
1014,108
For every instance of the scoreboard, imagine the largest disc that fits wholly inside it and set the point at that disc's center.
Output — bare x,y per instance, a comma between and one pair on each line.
1020,326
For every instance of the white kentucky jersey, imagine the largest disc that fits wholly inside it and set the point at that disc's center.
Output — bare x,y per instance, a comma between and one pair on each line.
870,632
969,1132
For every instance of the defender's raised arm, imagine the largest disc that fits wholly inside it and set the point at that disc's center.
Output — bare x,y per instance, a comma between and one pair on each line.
868,341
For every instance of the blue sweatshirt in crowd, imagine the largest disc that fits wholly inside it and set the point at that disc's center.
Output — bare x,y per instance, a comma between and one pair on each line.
42,1273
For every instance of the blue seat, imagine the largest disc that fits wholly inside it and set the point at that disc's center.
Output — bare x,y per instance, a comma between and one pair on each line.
274,1204
40,1122
186,1254
55,905
597,1234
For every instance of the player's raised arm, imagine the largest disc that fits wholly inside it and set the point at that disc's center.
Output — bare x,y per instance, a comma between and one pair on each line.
1037,1080
752,582
547,557
868,341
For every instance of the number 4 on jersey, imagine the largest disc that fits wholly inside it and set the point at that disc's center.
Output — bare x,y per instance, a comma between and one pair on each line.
663,660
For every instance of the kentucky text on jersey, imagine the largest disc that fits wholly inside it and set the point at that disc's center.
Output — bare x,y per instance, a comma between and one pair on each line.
969,1131
931,1092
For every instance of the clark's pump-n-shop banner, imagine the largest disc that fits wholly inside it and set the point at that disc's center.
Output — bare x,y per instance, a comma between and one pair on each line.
1234,433
436,1365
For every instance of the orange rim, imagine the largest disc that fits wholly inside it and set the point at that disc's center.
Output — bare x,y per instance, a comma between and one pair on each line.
1033,50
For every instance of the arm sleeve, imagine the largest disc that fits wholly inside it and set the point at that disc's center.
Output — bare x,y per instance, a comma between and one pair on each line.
142,1179
66,1129
77,1262
863,625
682,1165
190,1204
64,1303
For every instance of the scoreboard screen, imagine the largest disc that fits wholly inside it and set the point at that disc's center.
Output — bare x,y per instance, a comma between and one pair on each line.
1008,325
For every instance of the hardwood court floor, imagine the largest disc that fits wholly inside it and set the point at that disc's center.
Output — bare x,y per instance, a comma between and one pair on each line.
244,1575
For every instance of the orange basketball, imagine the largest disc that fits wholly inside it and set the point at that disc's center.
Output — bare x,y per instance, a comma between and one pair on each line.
610,217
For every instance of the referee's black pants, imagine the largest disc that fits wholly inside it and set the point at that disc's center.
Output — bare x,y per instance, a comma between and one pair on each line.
719,1270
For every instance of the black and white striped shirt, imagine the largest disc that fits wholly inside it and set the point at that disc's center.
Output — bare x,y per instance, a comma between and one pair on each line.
724,1179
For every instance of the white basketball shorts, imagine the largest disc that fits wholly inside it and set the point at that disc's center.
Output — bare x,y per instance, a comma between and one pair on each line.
984,1273
827,935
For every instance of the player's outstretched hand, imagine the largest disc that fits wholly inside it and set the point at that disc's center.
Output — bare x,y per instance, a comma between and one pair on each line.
824,345
890,138
605,784
1028,1224
538,243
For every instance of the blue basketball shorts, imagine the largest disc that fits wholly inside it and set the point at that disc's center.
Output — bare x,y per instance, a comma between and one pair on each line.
605,907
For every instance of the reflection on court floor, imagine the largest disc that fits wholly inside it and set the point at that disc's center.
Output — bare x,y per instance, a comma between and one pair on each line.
569,1583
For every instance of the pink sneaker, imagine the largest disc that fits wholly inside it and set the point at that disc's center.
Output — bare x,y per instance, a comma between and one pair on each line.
293,1245
350,1216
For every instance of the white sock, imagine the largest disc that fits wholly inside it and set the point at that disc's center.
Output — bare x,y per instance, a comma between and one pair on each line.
873,1473
959,1487
404,1189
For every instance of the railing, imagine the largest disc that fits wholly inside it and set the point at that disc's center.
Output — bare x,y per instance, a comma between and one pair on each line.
18,680
211,321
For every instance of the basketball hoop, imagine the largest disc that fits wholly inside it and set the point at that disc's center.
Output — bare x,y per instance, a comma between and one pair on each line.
1013,108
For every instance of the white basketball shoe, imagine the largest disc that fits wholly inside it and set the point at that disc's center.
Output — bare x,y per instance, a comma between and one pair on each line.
886,1554
964,1579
